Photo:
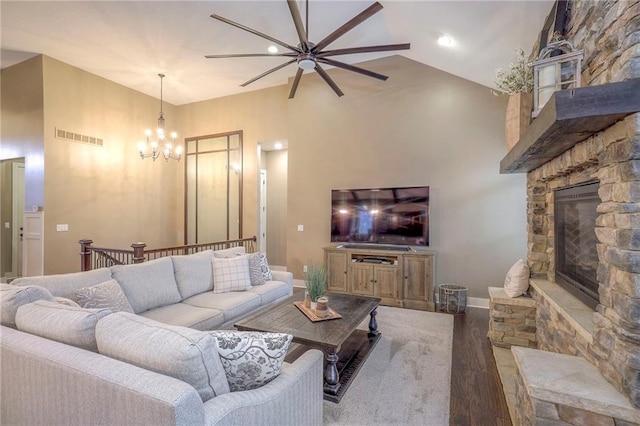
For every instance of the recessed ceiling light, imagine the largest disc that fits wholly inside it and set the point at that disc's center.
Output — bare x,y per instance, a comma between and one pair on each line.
272,49
278,145
445,40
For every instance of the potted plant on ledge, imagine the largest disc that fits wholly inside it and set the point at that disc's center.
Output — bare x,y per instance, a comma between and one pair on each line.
517,82
315,279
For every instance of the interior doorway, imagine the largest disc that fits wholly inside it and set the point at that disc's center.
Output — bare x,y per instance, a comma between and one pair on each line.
12,198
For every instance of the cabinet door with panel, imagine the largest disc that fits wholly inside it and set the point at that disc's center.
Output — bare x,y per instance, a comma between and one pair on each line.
336,263
418,281
361,279
385,281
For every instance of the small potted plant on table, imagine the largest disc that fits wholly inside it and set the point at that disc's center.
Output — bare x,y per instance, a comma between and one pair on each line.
315,279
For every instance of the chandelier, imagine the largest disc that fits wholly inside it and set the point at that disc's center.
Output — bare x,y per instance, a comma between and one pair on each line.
160,144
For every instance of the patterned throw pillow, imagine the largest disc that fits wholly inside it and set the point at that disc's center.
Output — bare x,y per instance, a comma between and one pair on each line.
231,274
251,359
255,269
264,266
108,294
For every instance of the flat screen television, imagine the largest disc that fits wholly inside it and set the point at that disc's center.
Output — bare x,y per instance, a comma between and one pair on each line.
397,216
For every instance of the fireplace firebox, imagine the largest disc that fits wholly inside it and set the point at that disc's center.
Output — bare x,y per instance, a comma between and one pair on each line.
575,213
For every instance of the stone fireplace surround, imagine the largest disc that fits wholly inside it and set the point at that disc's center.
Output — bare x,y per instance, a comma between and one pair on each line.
609,338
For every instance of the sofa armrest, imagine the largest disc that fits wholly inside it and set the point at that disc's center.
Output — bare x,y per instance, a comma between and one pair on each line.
284,276
295,397
47,382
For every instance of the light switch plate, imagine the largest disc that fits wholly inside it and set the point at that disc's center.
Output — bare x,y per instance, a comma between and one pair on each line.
300,228
7,225
62,228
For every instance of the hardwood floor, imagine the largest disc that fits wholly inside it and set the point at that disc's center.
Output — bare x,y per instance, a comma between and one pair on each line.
476,391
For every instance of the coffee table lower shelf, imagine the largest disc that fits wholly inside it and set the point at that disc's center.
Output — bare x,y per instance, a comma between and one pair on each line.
353,353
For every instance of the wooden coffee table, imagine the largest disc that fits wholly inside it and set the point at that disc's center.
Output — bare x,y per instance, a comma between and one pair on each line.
345,347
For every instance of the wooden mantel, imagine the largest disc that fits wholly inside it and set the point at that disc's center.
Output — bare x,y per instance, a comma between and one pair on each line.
569,117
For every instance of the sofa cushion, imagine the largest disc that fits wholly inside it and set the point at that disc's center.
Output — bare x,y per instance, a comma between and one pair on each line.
148,285
231,274
63,323
233,305
63,285
264,266
66,301
193,273
272,291
251,359
104,295
180,352
187,316
230,252
12,297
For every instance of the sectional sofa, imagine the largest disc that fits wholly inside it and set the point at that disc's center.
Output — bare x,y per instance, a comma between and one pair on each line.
48,378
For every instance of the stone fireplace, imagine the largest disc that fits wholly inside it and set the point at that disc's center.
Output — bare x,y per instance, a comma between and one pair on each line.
591,134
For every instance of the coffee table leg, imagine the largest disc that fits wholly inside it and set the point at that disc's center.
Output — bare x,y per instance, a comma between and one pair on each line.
373,325
331,375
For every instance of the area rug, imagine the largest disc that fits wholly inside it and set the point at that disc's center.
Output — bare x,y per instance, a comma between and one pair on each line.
407,378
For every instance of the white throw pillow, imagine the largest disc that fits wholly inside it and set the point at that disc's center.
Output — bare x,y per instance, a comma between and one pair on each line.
231,274
517,281
251,359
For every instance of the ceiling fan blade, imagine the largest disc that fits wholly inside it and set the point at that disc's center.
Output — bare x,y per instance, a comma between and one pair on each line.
296,80
274,69
362,16
328,80
250,55
364,49
297,21
353,68
258,33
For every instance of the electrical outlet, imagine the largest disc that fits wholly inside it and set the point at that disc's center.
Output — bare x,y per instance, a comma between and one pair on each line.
304,268
300,228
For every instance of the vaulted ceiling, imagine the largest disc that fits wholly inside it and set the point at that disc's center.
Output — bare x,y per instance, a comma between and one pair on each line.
130,42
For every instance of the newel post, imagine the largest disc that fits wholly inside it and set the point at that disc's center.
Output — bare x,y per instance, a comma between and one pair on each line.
85,255
138,252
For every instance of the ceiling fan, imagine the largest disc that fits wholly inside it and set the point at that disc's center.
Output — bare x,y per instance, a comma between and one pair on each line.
309,55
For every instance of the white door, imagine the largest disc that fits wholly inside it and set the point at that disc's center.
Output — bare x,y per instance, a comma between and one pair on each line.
17,203
33,244
262,244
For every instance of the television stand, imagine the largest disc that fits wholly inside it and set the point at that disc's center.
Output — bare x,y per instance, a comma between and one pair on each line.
398,277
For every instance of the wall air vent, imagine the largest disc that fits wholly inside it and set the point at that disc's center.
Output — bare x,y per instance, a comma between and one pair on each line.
77,137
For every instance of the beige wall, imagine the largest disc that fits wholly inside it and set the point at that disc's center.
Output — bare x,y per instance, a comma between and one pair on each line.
421,127
107,194
22,117
261,115
276,166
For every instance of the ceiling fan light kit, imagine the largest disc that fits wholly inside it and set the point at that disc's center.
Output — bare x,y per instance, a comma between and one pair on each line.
310,55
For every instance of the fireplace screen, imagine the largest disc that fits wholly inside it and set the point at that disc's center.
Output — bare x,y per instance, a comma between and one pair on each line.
575,240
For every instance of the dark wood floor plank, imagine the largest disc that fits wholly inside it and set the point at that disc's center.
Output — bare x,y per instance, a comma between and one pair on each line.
476,391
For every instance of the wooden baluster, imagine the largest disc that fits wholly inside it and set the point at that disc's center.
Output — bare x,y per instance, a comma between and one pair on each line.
85,255
138,252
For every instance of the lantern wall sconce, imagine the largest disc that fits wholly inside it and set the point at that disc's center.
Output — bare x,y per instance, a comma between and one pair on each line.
553,73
